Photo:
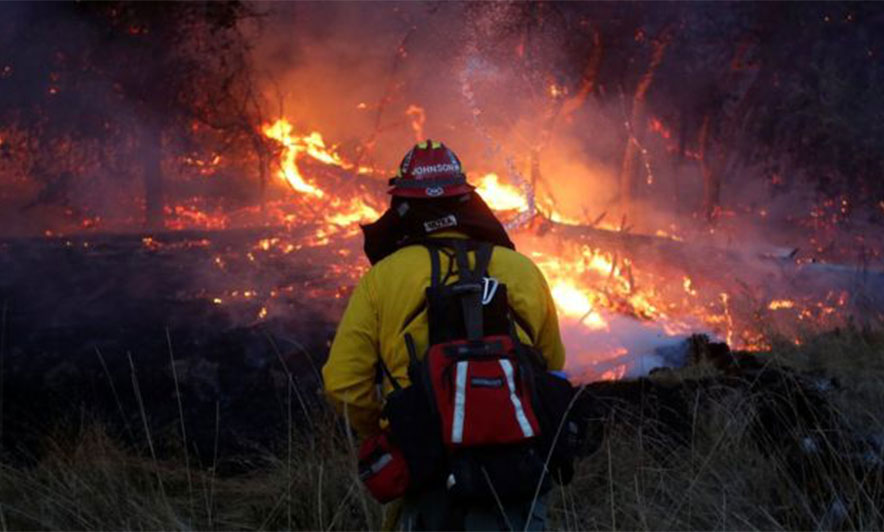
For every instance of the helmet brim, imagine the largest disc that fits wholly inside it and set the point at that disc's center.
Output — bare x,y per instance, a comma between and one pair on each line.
431,192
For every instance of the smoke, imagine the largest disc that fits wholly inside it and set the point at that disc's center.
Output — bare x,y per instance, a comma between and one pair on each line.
625,348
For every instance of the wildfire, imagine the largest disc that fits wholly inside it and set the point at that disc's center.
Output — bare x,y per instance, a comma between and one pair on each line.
778,304
689,287
656,125
294,146
500,196
584,284
191,214
574,302
205,167
338,212
352,212
418,118
605,296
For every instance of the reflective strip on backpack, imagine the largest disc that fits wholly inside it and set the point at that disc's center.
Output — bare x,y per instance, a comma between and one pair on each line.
507,366
460,401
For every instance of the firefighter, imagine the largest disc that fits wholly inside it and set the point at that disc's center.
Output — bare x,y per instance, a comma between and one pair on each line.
431,199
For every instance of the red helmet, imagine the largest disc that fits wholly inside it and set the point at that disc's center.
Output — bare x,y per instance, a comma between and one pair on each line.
429,170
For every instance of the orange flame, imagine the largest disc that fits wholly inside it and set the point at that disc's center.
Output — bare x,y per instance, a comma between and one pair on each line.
777,304
418,118
501,196
294,146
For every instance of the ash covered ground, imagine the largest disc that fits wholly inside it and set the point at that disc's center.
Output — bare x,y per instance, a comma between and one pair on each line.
89,323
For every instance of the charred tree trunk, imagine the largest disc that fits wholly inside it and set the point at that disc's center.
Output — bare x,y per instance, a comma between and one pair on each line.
263,162
717,150
679,158
630,154
564,107
262,183
152,175
535,167
590,73
711,174
390,89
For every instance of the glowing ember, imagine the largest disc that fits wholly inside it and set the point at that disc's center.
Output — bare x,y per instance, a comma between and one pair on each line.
781,303
418,118
556,91
689,287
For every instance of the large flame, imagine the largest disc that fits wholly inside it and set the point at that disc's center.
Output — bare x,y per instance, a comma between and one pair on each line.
500,196
605,300
293,147
337,211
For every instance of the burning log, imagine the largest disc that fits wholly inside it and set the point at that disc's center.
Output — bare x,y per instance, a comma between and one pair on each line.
708,262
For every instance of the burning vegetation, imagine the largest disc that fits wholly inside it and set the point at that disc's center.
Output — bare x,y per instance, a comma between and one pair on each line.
203,169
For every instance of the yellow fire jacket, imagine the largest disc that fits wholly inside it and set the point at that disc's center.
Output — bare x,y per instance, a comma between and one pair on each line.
382,310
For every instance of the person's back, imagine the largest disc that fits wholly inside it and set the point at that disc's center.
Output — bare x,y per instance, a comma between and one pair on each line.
389,307
389,302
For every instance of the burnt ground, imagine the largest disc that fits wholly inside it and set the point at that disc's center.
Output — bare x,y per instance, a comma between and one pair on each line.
76,308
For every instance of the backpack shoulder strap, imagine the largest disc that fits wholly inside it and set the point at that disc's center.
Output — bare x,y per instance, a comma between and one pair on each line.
435,268
469,286
464,272
469,289
483,252
483,259
388,374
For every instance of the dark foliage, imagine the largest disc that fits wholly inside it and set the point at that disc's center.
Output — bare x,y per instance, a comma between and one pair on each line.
125,81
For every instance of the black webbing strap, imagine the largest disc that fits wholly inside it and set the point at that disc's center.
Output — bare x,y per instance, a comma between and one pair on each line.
464,272
470,285
412,363
412,350
386,370
470,280
435,273
483,259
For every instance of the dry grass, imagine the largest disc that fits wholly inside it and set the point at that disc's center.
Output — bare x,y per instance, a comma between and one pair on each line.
726,479
723,478
91,482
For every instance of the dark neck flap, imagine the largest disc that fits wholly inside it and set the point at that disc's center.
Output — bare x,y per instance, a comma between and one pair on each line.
409,221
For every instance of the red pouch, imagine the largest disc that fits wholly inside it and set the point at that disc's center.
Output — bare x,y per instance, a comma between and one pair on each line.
382,468
481,393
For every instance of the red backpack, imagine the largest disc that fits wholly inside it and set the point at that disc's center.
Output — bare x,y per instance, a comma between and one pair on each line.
481,384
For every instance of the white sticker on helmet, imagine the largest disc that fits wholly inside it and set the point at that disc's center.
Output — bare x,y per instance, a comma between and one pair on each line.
434,191
418,171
